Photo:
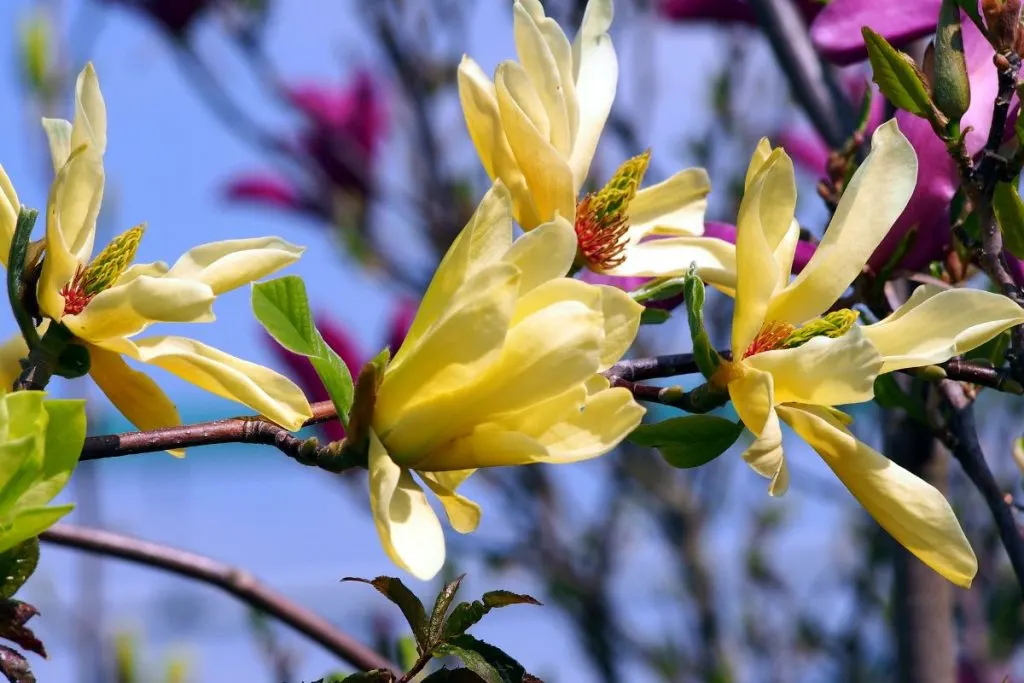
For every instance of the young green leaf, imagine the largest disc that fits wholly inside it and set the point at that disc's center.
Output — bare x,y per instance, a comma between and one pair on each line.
16,565
375,676
654,316
397,592
487,661
444,600
658,290
282,307
445,675
897,76
1009,210
466,614
690,440
704,353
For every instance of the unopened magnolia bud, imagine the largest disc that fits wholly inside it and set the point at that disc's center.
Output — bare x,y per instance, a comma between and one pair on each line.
1001,18
37,62
950,85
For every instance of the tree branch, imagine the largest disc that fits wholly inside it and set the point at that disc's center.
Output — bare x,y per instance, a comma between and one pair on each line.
961,437
237,582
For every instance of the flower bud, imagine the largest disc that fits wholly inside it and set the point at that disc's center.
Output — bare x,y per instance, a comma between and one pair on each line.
1001,18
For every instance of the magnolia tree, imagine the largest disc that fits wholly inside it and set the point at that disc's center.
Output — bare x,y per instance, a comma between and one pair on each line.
523,350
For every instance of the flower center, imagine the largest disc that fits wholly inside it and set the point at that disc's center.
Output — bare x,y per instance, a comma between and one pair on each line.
772,336
103,272
602,222
775,334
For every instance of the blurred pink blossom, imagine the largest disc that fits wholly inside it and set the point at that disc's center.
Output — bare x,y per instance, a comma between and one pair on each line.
339,141
725,11
836,30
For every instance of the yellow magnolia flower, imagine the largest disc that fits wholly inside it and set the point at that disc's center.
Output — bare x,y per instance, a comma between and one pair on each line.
792,361
105,302
500,368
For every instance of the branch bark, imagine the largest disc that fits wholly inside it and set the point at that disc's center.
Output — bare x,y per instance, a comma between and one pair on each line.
236,582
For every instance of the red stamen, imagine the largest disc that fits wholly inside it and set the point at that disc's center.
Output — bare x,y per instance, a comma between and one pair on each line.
75,298
772,335
601,242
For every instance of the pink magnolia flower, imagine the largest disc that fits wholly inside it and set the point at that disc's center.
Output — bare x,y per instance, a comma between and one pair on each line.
340,139
341,341
725,11
722,231
836,30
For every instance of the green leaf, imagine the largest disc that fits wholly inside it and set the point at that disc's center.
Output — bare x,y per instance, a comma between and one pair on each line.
1009,211
490,663
690,440
654,316
375,676
65,436
888,394
466,614
704,353
897,76
970,8
864,113
282,307
30,522
658,290
453,676
73,362
16,565
397,592
952,88
441,605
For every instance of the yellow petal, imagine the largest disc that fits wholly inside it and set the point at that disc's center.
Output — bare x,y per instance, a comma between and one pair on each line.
785,253
761,154
456,350
11,352
753,398
936,324
58,135
408,528
90,123
823,371
133,393
547,173
765,214
913,511
480,108
675,206
9,208
540,66
596,70
484,240
230,264
463,514
125,310
672,256
485,445
270,394
543,254
71,213
561,51
607,418
871,203
621,324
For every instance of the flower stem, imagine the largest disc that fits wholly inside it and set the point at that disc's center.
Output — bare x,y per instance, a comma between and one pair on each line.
15,270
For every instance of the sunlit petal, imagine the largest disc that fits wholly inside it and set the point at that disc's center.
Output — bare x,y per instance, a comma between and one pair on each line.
596,70
230,264
463,514
9,208
675,206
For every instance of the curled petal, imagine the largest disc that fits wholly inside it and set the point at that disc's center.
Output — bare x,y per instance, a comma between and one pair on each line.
230,264
752,394
675,206
463,514
90,123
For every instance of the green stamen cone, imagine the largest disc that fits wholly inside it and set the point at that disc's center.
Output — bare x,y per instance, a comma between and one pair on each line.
834,324
111,263
613,199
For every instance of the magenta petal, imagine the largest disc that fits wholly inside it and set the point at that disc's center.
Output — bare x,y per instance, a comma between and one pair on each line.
836,31
805,148
707,10
268,189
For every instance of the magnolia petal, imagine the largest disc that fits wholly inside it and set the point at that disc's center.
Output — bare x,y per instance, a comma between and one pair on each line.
484,446
58,136
408,528
607,418
621,324
547,173
672,256
133,393
936,324
911,510
456,350
761,153
766,212
596,74
125,310
785,254
463,514
539,63
11,353
484,240
90,124
752,395
229,264
561,51
480,109
823,371
871,203
675,206
9,208
543,254
270,394
72,208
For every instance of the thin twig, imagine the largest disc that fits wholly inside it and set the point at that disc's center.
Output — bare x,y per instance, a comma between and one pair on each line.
961,437
237,582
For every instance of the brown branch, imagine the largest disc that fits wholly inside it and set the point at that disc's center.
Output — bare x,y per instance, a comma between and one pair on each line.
237,582
961,437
